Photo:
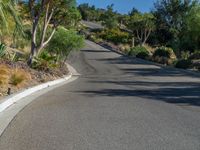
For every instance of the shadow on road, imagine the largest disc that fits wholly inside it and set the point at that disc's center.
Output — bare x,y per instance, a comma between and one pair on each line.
187,96
96,51
152,70
170,90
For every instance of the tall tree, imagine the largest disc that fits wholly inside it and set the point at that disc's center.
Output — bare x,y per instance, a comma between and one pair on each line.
142,26
109,18
52,14
169,19
192,33
89,13
133,11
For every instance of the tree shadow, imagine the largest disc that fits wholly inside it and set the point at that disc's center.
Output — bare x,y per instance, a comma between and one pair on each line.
95,51
182,92
156,72
185,93
147,68
186,96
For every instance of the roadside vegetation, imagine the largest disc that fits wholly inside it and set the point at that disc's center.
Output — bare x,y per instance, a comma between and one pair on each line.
36,38
169,34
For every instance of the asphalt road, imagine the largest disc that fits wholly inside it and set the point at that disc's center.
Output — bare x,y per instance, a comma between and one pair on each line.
116,104
92,25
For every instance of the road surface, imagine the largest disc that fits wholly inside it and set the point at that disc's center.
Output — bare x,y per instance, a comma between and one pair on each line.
116,104
92,25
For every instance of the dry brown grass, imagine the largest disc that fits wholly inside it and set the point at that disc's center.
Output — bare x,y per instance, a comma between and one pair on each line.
124,47
19,77
149,48
4,74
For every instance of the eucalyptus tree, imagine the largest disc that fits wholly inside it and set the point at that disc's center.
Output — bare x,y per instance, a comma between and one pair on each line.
51,13
141,26
109,18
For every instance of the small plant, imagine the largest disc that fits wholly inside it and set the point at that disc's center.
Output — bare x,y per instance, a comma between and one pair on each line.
45,62
140,52
2,50
185,55
18,77
124,48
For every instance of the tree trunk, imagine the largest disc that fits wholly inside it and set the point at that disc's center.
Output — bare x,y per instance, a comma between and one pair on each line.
32,55
133,42
141,43
33,42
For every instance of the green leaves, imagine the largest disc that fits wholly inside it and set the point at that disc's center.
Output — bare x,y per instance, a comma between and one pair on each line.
63,42
141,25
109,18
7,8
2,50
142,21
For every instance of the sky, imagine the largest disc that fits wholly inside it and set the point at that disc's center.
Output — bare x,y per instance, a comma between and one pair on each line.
122,6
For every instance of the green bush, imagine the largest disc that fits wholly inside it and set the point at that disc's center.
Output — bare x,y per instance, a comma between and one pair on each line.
162,52
63,42
164,55
114,35
139,51
183,63
142,55
45,62
185,54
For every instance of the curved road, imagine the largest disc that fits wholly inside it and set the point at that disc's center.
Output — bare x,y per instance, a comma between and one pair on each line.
116,104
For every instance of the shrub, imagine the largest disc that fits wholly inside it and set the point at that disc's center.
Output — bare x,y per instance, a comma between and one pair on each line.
41,64
142,55
185,54
124,48
139,51
164,55
45,62
114,35
18,77
4,74
183,63
95,39
63,42
162,52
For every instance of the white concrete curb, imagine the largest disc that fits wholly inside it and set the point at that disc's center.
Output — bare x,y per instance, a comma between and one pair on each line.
7,102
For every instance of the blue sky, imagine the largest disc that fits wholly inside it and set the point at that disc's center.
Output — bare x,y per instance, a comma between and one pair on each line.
122,6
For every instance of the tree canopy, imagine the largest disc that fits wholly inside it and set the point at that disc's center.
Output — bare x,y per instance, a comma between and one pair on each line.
142,26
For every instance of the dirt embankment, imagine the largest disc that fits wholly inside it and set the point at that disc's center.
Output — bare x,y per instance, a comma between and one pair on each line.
17,76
